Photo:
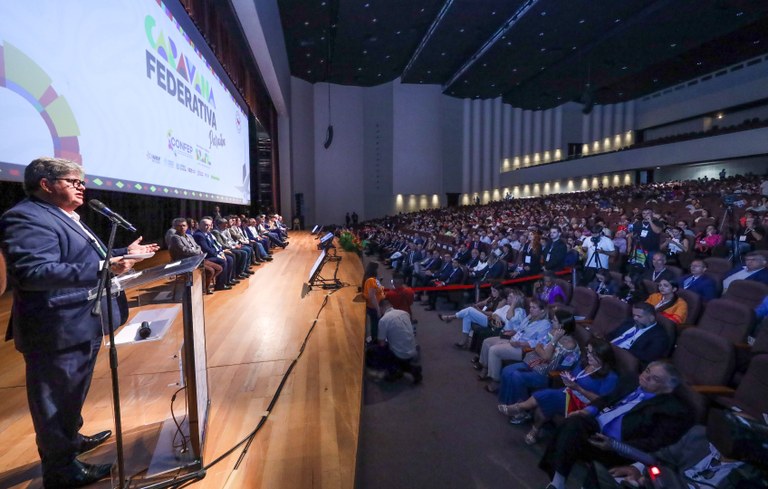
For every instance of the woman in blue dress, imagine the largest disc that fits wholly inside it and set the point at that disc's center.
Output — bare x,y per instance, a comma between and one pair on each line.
597,378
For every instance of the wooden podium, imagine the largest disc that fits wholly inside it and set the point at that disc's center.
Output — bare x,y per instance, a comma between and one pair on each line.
159,294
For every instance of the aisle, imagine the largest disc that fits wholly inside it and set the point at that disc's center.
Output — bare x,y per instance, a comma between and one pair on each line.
445,432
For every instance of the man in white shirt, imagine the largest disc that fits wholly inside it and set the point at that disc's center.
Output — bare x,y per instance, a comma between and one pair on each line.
600,249
396,350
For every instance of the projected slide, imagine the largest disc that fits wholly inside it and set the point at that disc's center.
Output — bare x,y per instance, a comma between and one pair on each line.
119,87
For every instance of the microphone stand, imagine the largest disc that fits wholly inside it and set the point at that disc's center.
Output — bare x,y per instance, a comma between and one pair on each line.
105,285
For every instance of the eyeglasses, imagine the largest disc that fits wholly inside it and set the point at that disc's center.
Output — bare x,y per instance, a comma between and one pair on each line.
75,182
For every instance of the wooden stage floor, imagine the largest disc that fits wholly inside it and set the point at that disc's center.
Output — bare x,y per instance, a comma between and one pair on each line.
253,332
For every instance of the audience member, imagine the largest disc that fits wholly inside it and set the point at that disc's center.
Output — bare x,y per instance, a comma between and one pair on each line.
597,377
753,269
396,350
548,291
642,336
531,332
667,303
603,283
649,417
700,283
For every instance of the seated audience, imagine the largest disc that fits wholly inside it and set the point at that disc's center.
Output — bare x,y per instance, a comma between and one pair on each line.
547,290
597,377
450,274
642,336
748,236
753,269
707,240
561,352
648,418
481,314
632,289
700,283
667,303
658,269
603,284
533,331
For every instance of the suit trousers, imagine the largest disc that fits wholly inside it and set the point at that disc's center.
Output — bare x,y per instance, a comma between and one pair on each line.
571,444
57,384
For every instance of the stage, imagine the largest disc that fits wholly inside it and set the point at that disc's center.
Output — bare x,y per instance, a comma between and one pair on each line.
253,333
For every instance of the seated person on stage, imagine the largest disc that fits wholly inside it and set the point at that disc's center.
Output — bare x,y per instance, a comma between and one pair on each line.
251,236
603,284
753,269
252,233
533,331
582,386
272,235
642,336
658,268
182,245
698,282
396,350
241,255
667,303
215,253
452,274
648,418
258,253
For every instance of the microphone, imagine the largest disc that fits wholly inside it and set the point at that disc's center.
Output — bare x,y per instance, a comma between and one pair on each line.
113,216
144,330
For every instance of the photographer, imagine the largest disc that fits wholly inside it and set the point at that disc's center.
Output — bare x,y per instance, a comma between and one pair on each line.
645,236
599,249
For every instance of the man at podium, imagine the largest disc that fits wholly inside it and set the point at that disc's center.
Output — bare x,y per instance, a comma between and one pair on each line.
53,262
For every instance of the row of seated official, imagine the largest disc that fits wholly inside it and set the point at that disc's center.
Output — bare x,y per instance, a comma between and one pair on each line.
230,248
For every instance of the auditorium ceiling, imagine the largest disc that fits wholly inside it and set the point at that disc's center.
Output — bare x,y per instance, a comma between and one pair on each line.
536,54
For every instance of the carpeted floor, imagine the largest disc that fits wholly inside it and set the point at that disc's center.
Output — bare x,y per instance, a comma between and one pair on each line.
447,431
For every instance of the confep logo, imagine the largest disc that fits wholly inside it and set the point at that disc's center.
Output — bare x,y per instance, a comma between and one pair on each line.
179,147
181,79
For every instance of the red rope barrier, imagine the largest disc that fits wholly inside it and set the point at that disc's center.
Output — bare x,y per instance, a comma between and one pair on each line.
448,288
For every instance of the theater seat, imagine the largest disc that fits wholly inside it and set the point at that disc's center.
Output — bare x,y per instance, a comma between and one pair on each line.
747,292
718,266
704,358
751,395
694,304
729,319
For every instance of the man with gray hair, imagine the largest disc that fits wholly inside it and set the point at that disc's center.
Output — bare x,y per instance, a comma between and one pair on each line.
53,262
648,417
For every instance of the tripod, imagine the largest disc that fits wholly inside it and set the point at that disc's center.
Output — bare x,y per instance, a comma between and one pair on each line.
734,249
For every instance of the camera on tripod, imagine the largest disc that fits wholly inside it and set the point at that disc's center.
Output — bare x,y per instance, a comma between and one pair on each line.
595,239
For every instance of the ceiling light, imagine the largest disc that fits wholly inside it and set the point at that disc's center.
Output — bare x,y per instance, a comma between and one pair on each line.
541,34
306,22
673,45
543,49
375,20
493,13
581,21
422,10
388,56
367,5
429,72
397,32
698,63
309,71
359,69
623,67
739,14
365,51
379,74
543,13
617,21
514,70
442,54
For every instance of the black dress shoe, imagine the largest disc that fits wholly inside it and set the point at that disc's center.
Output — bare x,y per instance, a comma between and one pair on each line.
88,443
244,275
269,258
76,474
223,287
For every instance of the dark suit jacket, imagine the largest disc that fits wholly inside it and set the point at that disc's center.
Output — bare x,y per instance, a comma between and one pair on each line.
52,265
211,250
651,345
183,246
652,424
759,276
554,255
704,286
